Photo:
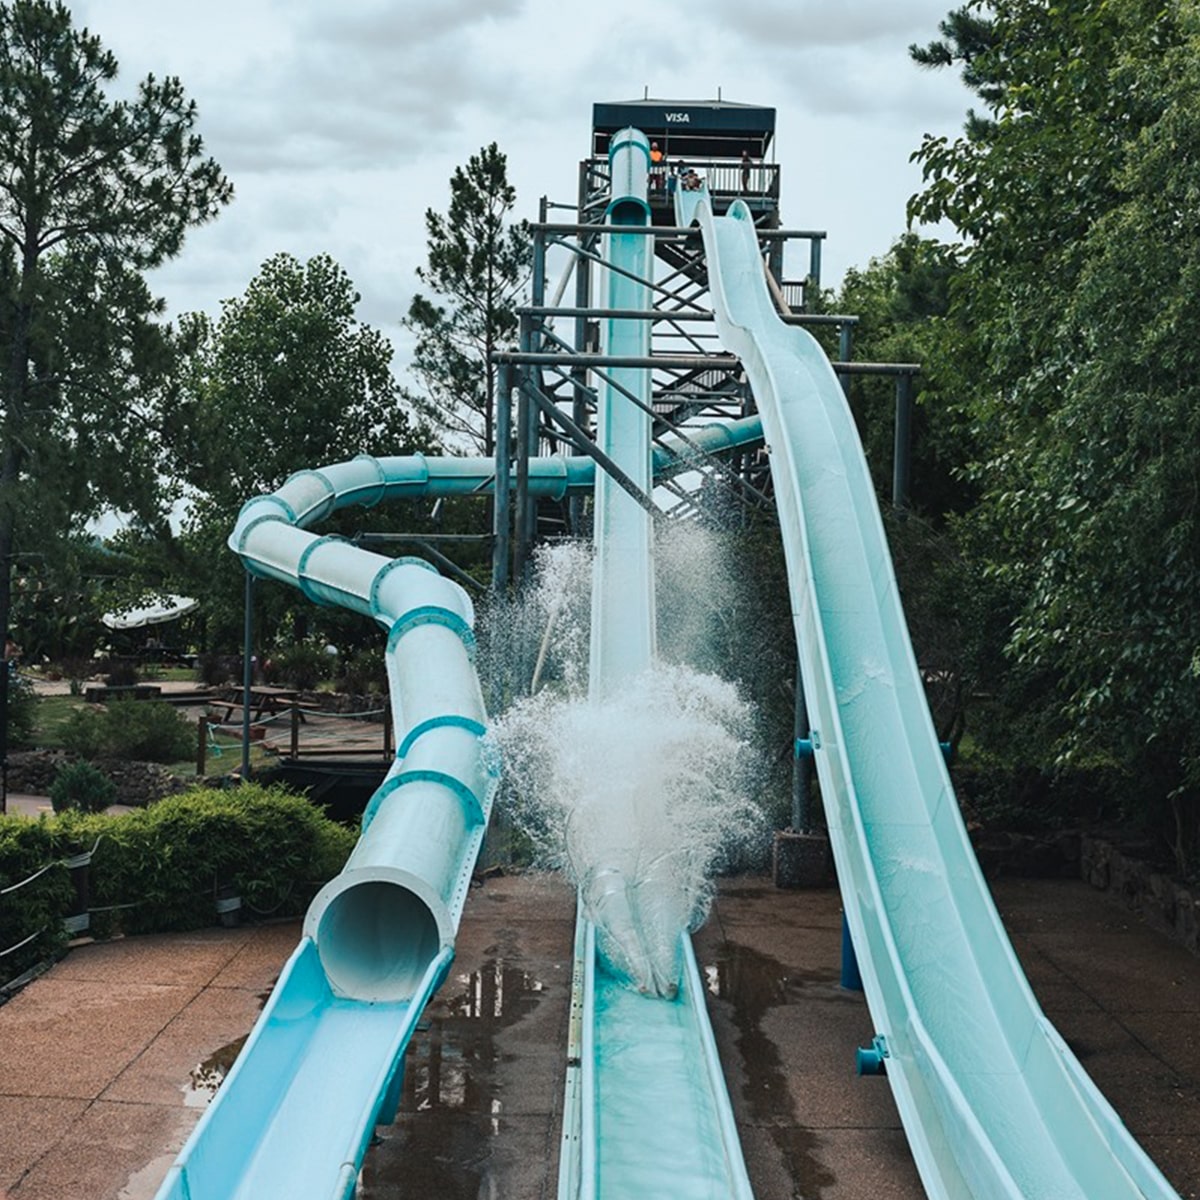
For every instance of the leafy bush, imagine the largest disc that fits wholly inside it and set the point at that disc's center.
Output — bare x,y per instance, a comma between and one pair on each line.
119,672
219,668
80,786
161,868
147,730
22,708
302,665
363,672
33,913
271,847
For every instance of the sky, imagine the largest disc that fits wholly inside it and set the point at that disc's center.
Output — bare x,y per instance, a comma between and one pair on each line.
340,124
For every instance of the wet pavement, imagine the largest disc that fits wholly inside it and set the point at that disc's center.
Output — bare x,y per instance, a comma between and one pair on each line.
107,1060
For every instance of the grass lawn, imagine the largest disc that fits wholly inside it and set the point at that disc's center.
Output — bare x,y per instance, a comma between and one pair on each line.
53,712
224,748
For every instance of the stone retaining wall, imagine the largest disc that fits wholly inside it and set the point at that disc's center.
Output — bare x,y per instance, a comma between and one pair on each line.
1160,900
138,783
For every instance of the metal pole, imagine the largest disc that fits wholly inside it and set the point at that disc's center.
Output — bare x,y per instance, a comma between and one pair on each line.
521,546
584,443
682,362
902,450
6,668
814,263
801,765
579,410
845,352
247,672
501,544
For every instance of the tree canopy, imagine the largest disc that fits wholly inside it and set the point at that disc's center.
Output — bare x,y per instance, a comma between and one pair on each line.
1072,327
286,379
93,191
477,265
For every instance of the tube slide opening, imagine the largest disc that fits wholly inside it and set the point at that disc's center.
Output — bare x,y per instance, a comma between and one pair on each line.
376,940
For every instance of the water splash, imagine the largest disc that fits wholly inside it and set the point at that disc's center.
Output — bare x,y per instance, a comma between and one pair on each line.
639,797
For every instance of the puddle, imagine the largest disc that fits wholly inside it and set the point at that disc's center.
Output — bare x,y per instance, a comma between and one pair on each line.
450,1108
144,1183
752,984
206,1077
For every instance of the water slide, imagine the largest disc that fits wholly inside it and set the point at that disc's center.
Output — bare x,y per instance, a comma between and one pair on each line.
323,1064
992,1100
646,1111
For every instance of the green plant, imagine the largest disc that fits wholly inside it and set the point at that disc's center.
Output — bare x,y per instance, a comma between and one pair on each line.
22,707
119,672
363,672
80,786
302,665
31,915
148,730
217,668
270,846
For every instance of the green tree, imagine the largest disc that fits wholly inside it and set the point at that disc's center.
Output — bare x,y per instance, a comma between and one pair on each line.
93,191
476,266
1076,313
901,300
286,379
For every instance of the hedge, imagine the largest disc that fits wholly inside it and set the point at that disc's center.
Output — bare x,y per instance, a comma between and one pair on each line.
161,868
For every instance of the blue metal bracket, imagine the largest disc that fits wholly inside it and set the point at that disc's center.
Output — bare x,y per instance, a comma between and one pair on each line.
806,747
872,1059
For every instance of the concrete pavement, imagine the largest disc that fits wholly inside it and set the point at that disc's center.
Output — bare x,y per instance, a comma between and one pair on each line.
106,1060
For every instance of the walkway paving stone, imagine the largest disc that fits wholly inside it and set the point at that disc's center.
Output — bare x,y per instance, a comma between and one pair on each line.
97,1057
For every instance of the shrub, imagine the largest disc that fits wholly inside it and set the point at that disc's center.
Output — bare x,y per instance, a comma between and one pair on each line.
272,847
161,868
119,672
22,708
363,672
33,913
147,730
80,786
302,665
215,669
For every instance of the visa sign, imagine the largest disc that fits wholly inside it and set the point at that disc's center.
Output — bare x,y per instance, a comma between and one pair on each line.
679,118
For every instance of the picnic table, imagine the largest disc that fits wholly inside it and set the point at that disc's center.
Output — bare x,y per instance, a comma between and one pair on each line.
266,701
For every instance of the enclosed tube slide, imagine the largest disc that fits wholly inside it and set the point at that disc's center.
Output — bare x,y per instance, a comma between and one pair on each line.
646,1111
993,1102
323,1064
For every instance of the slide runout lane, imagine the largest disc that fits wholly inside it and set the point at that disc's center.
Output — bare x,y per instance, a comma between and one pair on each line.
648,1113
991,1099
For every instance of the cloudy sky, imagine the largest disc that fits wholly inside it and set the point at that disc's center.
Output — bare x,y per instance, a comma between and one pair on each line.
341,123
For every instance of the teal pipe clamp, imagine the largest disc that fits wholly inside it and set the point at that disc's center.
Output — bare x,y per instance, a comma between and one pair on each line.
470,802
872,1059
302,581
329,494
433,614
237,539
416,731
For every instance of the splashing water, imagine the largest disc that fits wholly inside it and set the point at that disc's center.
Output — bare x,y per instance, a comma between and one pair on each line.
639,797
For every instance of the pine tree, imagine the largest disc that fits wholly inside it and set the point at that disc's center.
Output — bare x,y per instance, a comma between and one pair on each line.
477,265
93,191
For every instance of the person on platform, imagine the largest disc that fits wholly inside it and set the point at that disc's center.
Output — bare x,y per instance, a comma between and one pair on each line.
657,167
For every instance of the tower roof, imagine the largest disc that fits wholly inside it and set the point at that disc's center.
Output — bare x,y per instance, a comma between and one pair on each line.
688,128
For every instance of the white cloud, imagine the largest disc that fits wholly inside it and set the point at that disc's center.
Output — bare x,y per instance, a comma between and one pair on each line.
340,125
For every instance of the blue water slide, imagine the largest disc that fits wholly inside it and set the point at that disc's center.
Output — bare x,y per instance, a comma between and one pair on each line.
993,1102
323,1064
646,1111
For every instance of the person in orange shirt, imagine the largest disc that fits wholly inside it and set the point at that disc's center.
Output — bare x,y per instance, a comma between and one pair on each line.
657,161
